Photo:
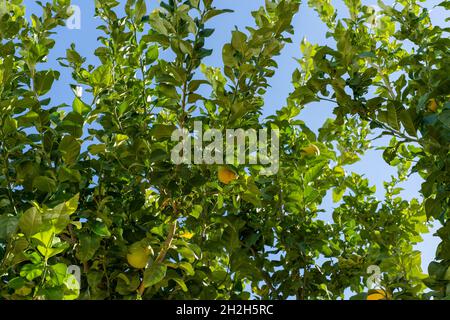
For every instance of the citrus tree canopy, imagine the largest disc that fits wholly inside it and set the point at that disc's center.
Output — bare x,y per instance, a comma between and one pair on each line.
90,185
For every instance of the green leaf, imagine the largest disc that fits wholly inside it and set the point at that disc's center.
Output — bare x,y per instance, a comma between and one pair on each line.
212,13
187,267
228,56
59,216
162,131
70,149
101,229
158,155
72,124
238,110
30,222
305,95
66,174
49,252
408,123
337,194
389,154
367,54
44,237
80,107
66,208
44,184
97,148
8,226
4,203
102,76
140,11
127,284
154,274
16,283
436,270
219,275
196,211
88,246
31,271
187,253
392,118
157,24
238,41
195,84
9,125
195,3
167,91
252,193
253,198
444,118
43,81
152,54
59,273
181,283
433,208
314,172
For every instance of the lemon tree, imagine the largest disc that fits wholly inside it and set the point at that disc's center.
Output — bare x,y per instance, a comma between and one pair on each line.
91,183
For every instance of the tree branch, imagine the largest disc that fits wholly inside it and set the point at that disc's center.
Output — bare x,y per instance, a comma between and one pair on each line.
162,253
168,243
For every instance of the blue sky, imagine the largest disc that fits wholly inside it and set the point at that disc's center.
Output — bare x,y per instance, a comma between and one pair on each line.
306,23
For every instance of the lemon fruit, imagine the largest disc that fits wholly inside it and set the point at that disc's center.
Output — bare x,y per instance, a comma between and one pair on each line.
432,105
226,175
311,150
376,294
138,254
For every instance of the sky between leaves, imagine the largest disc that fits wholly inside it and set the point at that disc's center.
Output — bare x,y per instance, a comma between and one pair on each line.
306,24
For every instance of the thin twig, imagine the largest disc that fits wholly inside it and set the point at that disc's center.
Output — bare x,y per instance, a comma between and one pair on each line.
168,243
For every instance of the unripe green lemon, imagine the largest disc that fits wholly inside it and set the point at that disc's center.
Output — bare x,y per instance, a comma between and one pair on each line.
138,254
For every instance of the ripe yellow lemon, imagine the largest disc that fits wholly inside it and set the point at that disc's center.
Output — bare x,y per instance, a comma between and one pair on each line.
311,150
432,105
376,294
226,175
138,254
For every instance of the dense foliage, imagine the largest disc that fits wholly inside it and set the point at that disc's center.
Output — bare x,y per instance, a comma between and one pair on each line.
88,184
